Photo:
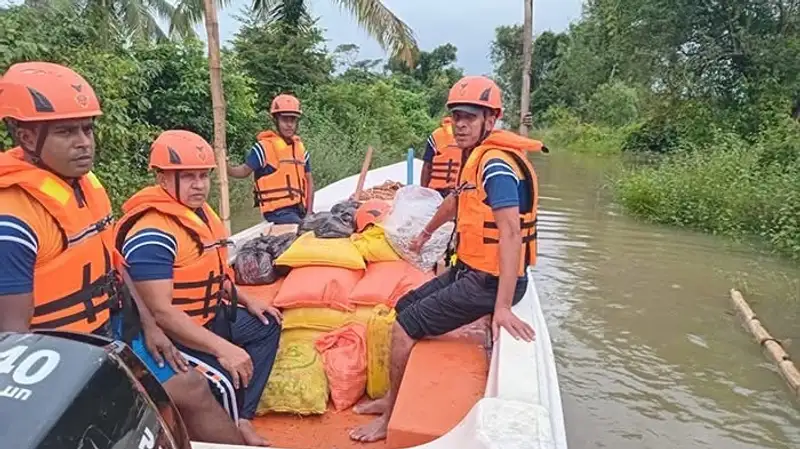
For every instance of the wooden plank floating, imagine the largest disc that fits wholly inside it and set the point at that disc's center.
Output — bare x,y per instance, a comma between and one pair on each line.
771,346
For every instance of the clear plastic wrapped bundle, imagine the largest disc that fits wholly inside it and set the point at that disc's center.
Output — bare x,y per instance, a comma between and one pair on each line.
413,208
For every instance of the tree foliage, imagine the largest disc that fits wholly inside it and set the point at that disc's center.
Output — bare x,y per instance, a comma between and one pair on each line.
146,86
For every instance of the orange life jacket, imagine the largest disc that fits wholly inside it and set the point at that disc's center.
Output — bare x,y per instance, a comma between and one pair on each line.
197,285
75,290
477,234
287,185
446,163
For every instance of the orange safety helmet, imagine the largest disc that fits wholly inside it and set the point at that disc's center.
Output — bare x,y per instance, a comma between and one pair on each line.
181,150
471,91
39,91
371,212
285,104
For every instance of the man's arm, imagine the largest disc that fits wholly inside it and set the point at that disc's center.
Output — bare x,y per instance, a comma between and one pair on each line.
157,296
445,212
309,193
255,159
239,171
507,220
16,312
19,246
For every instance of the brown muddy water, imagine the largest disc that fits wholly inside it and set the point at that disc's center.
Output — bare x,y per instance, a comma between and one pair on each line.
648,351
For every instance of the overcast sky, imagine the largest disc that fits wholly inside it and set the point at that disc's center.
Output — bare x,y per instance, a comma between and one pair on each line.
467,24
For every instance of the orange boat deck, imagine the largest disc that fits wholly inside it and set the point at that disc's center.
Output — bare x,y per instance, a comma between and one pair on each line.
450,374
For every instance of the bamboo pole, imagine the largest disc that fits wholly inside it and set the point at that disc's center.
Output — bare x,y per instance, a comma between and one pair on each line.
218,108
771,346
363,175
527,60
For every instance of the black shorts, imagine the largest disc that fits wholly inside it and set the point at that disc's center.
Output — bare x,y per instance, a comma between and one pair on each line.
451,300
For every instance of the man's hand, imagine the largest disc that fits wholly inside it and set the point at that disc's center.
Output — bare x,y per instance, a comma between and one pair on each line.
260,308
505,318
238,363
418,242
160,347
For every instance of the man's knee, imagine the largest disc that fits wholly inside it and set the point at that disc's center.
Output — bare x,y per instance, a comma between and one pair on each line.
189,389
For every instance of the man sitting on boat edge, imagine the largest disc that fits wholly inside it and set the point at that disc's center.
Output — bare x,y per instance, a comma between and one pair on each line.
494,207
175,246
281,167
56,269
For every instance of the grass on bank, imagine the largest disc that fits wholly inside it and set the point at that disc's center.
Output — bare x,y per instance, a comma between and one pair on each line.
725,186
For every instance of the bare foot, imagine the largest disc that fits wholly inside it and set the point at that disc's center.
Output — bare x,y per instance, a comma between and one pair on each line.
251,437
373,407
374,431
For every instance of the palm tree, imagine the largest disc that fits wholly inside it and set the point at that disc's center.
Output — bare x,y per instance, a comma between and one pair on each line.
391,33
131,19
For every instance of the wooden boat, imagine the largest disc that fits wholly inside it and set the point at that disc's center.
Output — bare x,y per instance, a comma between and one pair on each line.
453,395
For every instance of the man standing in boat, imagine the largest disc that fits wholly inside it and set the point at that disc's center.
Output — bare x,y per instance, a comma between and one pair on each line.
442,159
281,167
494,207
56,269
175,246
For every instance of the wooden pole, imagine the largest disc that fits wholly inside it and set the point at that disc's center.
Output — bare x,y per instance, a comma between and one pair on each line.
363,175
771,346
218,108
527,60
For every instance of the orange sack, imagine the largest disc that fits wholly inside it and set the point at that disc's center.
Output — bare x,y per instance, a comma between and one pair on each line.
317,286
264,293
387,282
344,356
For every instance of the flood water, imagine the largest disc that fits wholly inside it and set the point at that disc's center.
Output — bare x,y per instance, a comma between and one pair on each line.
648,352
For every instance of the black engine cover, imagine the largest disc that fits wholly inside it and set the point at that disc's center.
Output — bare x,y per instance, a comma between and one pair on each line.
63,390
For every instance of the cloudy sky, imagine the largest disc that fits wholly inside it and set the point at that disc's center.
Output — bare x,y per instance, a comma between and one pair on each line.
467,24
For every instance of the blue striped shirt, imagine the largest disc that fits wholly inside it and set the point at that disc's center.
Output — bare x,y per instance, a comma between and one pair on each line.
503,187
257,161
150,254
18,248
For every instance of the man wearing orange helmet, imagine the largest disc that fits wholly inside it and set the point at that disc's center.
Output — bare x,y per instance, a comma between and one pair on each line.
442,159
55,224
175,246
496,240
281,168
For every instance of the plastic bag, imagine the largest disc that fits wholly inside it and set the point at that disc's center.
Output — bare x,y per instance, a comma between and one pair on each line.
379,336
338,223
387,282
344,356
297,383
414,206
254,263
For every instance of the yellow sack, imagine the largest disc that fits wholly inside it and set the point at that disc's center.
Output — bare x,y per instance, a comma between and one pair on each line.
323,318
379,335
309,250
373,246
298,383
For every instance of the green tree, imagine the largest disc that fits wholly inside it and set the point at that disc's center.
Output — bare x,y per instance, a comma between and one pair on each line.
391,33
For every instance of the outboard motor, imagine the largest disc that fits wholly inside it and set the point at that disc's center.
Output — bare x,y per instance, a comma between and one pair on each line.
62,390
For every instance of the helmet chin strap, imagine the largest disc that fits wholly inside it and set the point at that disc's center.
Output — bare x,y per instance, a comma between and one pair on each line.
36,155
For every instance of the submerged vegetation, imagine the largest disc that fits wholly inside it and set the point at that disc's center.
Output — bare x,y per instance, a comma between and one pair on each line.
709,91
